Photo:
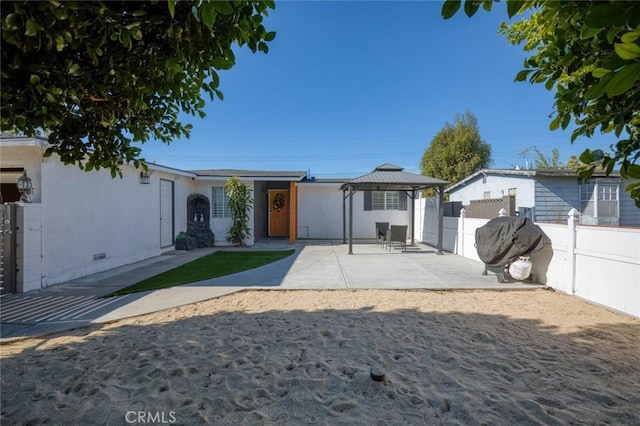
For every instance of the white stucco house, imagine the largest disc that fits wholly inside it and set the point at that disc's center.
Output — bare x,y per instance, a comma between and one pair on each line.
79,223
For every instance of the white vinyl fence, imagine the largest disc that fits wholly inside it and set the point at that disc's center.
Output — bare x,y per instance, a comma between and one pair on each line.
599,264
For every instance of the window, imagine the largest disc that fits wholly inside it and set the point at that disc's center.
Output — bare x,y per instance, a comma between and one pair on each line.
385,200
607,200
220,201
599,199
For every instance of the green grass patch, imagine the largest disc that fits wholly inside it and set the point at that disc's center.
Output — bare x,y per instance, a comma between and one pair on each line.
213,265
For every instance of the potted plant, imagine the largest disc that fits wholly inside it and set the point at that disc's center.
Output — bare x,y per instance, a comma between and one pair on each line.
184,241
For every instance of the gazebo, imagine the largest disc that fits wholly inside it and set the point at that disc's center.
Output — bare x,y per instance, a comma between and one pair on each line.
389,177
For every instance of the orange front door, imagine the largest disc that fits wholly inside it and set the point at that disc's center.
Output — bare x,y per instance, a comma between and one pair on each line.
278,212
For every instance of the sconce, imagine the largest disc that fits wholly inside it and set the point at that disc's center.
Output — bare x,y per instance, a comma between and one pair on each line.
145,179
25,187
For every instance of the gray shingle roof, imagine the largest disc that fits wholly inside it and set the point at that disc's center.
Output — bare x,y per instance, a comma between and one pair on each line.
389,177
297,175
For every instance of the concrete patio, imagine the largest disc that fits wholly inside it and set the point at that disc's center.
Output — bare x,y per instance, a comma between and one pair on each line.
314,265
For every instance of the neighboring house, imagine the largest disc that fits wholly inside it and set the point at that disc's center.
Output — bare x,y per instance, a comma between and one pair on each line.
548,195
80,223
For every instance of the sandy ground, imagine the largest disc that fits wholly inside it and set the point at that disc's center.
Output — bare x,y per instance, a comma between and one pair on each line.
304,357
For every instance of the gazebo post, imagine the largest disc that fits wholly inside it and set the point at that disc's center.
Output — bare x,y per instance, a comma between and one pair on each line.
344,216
350,219
440,217
413,217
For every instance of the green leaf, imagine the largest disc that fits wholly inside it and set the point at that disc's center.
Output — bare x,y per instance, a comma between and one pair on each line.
513,7
587,157
522,75
136,34
599,16
633,170
74,70
600,72
449,8
208,14
598,90
623,80
630,37
12,22
588,32
223,7
270,36
34,79
627,51
124,38
171,4
471,7
32,28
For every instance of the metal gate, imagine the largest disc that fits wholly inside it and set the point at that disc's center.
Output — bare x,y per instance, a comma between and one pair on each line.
7,248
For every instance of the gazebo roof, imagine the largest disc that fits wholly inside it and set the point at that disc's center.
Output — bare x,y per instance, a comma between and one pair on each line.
389,177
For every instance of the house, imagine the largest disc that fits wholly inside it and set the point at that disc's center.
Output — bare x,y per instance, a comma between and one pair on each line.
79,223
548,195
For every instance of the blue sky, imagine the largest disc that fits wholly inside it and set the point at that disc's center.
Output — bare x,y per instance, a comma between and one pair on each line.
349,85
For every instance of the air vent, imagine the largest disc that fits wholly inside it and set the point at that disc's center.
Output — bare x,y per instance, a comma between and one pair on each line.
99,256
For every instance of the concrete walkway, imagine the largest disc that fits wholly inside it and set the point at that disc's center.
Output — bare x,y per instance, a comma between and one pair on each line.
314,265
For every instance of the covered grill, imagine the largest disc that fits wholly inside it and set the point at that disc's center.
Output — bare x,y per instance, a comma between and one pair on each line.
503,240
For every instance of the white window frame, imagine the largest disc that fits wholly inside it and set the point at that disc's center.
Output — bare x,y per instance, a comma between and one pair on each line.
218,194
385,200
596,191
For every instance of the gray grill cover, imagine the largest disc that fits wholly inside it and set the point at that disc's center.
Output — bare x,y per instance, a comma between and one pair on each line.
502,239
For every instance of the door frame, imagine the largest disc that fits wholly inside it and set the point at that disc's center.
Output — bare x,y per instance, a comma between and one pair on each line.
172,212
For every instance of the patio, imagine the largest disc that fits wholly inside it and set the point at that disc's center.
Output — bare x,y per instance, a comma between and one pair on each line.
328,265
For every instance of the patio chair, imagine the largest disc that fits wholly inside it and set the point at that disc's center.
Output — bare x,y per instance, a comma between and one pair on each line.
397,234
381,232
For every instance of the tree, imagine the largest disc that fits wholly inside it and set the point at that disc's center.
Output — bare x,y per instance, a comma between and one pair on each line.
100,75
573,163
589,54
548,163
456,151
240,203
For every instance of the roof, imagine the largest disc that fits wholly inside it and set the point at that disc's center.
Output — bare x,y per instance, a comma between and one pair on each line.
532,173
6,140
389,177
324,181
252,174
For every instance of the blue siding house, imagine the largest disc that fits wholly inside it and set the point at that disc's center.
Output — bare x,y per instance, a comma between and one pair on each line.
548,195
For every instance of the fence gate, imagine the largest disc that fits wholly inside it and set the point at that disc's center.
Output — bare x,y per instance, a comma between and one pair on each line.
7,248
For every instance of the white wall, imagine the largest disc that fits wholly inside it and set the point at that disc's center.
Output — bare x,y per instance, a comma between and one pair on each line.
320,210
320,213
87,214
